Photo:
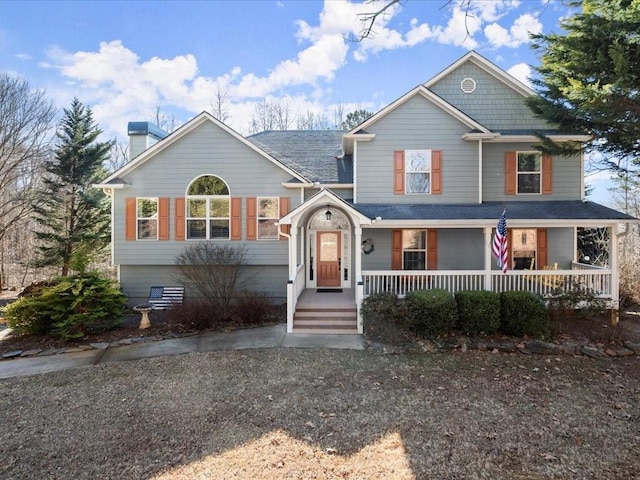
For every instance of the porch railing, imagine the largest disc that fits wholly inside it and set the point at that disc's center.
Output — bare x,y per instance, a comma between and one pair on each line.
543,282
294,289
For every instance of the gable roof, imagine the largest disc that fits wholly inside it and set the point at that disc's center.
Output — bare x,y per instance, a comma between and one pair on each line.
315,154
492,69
191,125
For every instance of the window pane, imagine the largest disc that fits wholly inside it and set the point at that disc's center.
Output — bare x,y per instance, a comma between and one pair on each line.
524,248
414,239
196,229
529,183
208,185
219,207
147,229
219,229
147,207
197,208
414,261
417,183
267,229
529,162
268,208
417,160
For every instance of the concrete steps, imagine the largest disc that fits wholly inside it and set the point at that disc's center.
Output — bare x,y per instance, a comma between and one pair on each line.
326,320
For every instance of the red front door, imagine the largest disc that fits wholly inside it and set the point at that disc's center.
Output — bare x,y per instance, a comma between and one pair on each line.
328,259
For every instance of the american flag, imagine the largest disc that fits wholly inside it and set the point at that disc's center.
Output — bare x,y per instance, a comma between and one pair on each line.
499,247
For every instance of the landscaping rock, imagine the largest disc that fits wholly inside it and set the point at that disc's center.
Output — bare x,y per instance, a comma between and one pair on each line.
12,354
592,352
505,347
543,348
31,353
100,345
571,348
624,352
633,346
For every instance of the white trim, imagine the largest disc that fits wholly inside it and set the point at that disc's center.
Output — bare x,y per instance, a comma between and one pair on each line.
276,218
533,138
480,163
538,172
184,130
468,85
157,219
482,223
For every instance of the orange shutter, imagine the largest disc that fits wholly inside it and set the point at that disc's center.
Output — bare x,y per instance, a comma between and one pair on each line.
436,171
285,205
130,215
398,172
252,206
396,249
180,218
236,218
163,218
547,175
510,169
432,249
541,240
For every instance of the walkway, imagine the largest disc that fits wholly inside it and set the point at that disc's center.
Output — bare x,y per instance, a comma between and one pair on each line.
265,337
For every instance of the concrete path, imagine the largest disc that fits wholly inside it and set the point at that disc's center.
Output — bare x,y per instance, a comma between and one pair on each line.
265,337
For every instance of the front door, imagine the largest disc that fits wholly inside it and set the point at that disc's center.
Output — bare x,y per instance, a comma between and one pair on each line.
329,259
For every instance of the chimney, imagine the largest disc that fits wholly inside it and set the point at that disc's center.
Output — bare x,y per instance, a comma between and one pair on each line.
142,135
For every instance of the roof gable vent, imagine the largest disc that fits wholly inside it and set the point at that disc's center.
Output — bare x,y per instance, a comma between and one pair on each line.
468,85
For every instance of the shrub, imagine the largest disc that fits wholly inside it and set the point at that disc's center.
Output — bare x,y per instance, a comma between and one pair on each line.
523,313
69,308
384,317
431,312
478,311
253,308
194,315
576,301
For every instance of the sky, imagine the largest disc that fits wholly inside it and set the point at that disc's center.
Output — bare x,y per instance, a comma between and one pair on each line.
127,60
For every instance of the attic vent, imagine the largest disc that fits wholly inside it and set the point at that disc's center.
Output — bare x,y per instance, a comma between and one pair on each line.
468,85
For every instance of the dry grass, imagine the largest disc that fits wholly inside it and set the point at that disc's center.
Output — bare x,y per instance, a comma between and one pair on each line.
317,414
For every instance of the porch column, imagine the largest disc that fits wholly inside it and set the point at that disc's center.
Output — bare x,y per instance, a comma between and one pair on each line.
487,258
613,265
357,280
293,254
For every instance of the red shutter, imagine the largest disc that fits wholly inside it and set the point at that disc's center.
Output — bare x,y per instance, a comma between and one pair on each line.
252,205
180,218
130,214
510,169
163,218
396,249
547,175
398,172
541,241
285,205
236,218
436,172
432,249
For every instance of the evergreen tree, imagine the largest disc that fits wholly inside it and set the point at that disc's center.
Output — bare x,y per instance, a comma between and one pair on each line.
74,216
590,78
355,118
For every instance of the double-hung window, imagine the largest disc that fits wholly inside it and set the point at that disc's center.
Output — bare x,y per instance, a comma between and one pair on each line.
268,215
529,172
147,218
417,168
208,205
414,249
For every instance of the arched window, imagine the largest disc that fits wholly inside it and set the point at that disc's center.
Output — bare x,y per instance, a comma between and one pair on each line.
208,208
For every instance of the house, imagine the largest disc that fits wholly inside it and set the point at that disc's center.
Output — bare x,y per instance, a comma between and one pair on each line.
408,199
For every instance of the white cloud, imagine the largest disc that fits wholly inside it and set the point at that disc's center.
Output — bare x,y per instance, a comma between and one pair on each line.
522,72
23,56
517,34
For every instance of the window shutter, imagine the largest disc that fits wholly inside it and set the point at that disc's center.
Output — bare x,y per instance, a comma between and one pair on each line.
547,175
180,218
130,218
396,249
432,249
236,218
436,172
398,172
163,218
541,240
510,167
285,205
252,227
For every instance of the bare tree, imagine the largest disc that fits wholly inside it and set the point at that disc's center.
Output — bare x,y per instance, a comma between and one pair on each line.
219,108
162,120
271,115
313,121
26,121
118,156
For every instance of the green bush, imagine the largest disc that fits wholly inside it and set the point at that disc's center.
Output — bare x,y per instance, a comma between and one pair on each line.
523,313
478,311
431,312
384,317
69,308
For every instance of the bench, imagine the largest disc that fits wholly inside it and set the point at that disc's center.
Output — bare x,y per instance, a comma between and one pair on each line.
161,298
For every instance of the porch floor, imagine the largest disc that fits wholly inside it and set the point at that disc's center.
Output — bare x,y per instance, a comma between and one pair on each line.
310,298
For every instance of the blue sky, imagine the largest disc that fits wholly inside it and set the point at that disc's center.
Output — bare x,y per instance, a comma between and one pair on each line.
126,59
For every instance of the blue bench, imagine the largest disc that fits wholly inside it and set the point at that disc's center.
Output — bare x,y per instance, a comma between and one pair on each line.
161,298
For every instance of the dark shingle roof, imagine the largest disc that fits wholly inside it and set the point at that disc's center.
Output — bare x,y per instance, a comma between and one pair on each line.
315,154
539,210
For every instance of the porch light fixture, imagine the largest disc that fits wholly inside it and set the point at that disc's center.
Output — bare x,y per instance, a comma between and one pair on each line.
328,213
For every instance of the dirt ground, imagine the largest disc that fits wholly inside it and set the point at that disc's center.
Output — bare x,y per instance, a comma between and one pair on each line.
319,414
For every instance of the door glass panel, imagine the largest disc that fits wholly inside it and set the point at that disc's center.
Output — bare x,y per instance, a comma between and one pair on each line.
329,247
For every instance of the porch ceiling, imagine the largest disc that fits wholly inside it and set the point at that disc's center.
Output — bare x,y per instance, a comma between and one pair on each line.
567,211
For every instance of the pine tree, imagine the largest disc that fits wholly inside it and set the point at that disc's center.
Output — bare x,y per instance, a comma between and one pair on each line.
74,216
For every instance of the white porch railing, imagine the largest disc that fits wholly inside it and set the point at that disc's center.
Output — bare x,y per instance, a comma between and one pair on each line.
294,289
542,282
